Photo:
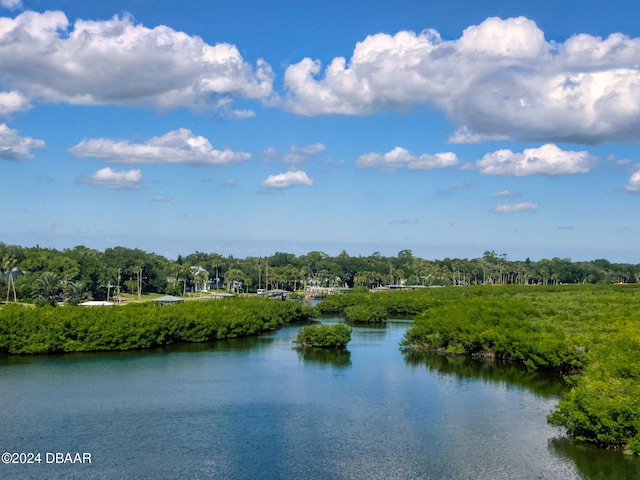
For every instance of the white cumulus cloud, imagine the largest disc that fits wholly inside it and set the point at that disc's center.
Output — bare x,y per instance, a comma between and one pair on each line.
107,178
548,159
288,179
14,147
119,62
400,157
177,146
13,101
500,78
518,207
633,185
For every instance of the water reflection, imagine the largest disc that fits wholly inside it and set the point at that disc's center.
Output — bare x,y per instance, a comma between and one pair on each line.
591,462
372,326
595,463
259,408
336,358
543,384
235,344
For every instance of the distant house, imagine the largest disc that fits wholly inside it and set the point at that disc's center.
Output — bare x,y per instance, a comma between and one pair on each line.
200,272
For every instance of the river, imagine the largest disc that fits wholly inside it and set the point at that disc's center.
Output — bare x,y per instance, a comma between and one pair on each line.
257,408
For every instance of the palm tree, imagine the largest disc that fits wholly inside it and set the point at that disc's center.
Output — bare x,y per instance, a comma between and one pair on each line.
75,293
48,286
234,278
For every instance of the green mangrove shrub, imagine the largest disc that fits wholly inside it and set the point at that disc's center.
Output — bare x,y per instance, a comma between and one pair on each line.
324,336
25,330
365,314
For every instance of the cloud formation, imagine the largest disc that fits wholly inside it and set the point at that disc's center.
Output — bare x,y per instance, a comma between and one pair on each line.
11,4
518,207
288,179
11,102
177,146
118,62
14,147
546,160
500,78
633,185
401,157
113,179
294,155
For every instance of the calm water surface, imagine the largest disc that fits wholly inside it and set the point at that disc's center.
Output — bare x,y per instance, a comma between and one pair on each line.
259,409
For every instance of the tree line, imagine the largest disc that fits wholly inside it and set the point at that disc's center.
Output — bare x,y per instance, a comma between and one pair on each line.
46,275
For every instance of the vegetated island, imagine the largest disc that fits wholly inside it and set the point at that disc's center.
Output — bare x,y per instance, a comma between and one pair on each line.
588,333
324,336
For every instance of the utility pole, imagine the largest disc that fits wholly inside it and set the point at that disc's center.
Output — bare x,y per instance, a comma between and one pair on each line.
11,285
118,285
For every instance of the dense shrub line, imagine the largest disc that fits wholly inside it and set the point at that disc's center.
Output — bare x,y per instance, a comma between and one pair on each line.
398,303
25,330
504,328
365,314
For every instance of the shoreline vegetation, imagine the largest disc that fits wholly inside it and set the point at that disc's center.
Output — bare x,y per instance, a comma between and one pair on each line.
51,330
588,333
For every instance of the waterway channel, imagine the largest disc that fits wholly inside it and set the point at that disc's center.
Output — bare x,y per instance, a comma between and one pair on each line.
257,408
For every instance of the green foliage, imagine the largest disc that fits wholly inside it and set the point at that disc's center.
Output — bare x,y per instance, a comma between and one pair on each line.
49,287
324,336
589,332
365,314
75,293
400,303
604,404
118,269
25,330
505,328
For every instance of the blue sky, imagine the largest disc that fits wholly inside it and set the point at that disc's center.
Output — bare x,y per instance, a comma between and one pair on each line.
246,128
